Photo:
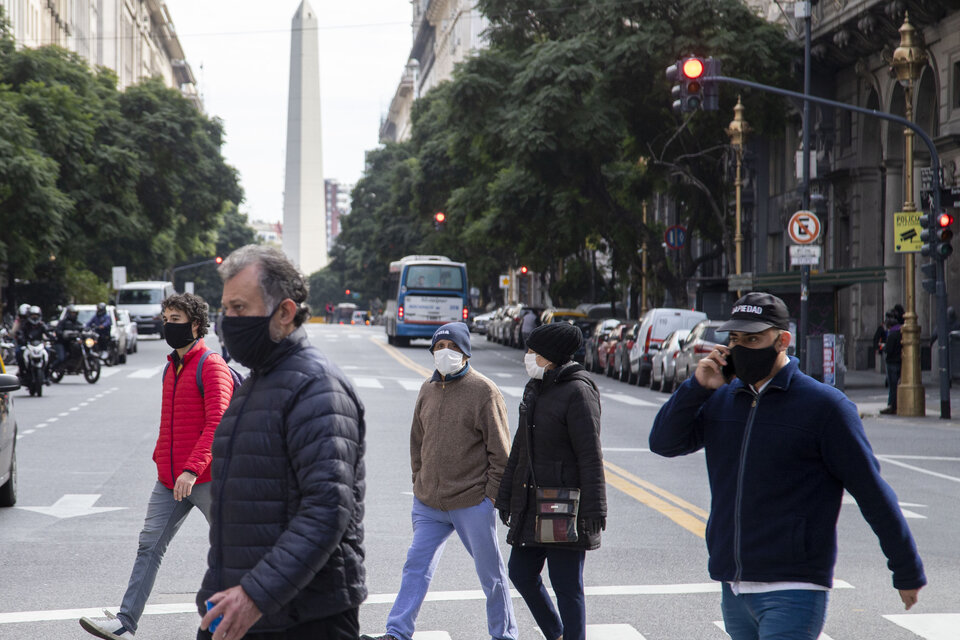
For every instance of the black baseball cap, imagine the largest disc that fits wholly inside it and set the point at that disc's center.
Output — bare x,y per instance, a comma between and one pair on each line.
756,312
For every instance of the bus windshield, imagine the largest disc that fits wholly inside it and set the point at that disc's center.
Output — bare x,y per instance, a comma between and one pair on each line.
434,277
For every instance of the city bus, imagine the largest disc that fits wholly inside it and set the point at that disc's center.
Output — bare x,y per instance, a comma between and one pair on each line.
425,292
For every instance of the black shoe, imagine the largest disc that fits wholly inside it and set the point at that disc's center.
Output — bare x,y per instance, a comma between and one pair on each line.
385,636
888,411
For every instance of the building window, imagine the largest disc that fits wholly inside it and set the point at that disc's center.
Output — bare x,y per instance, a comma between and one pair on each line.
956,85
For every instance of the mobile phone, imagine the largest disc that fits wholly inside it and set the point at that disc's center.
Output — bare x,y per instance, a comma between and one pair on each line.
216,621
728,369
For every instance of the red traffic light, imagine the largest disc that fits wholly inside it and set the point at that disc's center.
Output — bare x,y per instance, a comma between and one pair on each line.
439,217
218,260
346,291
692,68
944,220
523,270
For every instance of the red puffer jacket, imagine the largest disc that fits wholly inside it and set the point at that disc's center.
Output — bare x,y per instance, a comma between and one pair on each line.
187,419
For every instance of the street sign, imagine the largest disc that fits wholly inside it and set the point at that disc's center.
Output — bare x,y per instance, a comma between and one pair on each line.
926,179
829,359
676,236
906,231
188,287
740,282
119,277
801,254
804,227
504,282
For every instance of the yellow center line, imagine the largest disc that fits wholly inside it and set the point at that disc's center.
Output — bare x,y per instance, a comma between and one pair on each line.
691,523
663,493
394,353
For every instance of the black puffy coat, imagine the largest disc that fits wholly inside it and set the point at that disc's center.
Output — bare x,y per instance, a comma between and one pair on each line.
564,409
288,488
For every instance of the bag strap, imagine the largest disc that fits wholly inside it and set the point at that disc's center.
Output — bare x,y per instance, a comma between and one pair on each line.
528,427
203,357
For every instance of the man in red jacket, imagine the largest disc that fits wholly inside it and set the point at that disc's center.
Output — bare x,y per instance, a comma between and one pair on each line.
188,418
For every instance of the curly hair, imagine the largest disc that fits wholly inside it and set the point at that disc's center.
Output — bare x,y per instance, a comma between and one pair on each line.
193,306
279,277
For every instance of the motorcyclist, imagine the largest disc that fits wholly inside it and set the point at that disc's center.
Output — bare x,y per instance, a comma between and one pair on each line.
101,322
22,312
33,329
69,322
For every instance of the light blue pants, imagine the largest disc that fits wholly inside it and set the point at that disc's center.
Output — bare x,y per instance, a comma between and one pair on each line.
477,529
164,517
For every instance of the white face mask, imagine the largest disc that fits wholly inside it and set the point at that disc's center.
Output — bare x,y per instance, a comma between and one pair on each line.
447,361
534,370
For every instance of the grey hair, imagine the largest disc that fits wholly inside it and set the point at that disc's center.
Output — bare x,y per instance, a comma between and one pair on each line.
279,277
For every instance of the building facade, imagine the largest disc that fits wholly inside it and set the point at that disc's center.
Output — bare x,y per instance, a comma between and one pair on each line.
445,32
135,38
338,206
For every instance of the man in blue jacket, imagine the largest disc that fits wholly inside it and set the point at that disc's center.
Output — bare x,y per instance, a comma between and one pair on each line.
781,448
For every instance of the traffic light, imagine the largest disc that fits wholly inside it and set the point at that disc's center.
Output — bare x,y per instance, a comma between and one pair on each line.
936,235
523,271
929,281
438,219
218,260
346,292
687,76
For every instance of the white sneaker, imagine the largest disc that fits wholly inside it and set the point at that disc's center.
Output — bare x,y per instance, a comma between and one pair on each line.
108,627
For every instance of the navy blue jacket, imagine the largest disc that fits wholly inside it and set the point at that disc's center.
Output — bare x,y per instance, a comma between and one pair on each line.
288,488
778,464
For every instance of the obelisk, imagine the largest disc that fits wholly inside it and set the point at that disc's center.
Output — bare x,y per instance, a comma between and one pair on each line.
304,197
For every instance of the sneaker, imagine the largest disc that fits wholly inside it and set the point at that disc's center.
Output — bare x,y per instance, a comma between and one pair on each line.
108,627
385,636
888,411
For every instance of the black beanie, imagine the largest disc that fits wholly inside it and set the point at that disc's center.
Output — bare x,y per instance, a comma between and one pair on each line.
557,342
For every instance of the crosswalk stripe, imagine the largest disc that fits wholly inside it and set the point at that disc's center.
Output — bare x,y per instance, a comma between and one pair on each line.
516,392
410,384
431,635
636,402
929,626
822,636
367,383
613,632
145,373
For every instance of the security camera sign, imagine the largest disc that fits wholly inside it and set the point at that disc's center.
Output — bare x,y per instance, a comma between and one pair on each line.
906,232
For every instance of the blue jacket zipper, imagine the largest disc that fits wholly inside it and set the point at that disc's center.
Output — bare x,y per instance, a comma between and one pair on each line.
737,527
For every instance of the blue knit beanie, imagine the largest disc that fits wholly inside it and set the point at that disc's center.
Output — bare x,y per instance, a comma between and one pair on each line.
457,332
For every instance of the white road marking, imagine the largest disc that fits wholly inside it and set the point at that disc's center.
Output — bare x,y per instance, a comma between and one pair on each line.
63,415
930,626
613,632
367,383
636,402
40,426
431,635
516,392
72,505
145,373
410,384
942,476
626,450
822,636
84,404
28,431
106,373
52,419
73,409
504,375
934,458
907,513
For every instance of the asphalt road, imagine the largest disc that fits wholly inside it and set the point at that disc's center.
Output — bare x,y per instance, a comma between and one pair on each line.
87,447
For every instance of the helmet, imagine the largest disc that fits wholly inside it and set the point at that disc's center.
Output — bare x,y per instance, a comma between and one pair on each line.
34,316
72,312
101,307
24,309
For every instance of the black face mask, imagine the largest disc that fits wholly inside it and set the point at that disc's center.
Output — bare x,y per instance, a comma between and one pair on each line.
178,334
247,338
753,365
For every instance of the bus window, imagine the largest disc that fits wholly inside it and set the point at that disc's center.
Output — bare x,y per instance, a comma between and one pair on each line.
434,277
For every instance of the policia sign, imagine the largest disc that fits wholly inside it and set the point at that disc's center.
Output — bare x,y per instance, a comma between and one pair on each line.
906,231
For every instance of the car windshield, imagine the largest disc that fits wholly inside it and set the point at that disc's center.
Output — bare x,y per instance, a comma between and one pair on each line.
717,337
83,316
434,277
140,296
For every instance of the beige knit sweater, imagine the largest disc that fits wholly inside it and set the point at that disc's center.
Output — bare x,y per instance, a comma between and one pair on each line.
459,442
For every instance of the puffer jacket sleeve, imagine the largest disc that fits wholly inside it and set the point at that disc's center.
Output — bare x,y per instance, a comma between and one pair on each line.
583,428
323,440
217,392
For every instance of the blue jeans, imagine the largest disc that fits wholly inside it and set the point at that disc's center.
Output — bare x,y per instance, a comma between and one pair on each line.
164,517
477,529
893,379
566,576
777,615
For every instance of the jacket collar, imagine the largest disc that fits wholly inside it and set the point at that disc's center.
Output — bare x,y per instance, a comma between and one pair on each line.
781,381
453,376
198,347
294,342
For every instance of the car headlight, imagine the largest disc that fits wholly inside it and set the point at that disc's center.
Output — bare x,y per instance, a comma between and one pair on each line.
89,342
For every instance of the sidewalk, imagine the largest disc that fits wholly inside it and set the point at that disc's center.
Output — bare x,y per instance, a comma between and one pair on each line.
863,387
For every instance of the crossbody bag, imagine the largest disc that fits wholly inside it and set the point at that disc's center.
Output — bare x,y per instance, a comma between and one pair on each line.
556,507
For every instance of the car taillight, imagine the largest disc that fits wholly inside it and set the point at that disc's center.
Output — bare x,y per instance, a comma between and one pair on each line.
465,313
675,354
400,312
646,343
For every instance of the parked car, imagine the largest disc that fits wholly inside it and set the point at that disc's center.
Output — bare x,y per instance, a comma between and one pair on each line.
655,325
130,328
701,341
8,438
601,331
480,322
665,361
586,327
607,352
505,324
621,357
602,310
561,315
117,352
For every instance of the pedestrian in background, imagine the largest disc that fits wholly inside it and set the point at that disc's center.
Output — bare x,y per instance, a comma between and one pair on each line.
781,449
559,434
458,449
286,541
893,357
527,327
188,421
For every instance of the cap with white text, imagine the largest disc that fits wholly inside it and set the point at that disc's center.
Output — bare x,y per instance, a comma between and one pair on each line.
756,312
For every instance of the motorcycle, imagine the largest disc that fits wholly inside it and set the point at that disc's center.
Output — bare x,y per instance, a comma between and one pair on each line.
8,348
80,358
35,361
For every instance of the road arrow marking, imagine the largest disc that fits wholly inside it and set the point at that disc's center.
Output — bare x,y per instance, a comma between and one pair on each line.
72,505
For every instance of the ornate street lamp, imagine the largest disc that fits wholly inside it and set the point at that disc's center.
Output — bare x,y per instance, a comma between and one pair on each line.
737,131
908,62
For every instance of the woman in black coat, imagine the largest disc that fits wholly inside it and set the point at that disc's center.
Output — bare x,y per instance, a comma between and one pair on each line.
560,431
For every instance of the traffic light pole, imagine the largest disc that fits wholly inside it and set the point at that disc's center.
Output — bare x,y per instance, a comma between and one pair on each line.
943,335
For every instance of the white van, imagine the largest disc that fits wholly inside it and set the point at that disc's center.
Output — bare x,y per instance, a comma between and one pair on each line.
655,325
142,300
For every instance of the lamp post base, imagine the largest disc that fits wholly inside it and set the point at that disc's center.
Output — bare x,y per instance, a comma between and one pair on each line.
911,401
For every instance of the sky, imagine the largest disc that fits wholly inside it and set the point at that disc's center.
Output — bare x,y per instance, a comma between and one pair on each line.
240,54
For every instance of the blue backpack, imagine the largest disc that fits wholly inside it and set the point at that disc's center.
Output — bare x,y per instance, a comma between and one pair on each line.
234,374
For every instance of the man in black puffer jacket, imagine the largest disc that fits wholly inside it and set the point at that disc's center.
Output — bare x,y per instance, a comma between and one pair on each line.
286,538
